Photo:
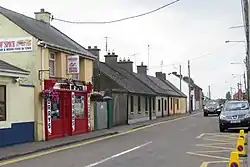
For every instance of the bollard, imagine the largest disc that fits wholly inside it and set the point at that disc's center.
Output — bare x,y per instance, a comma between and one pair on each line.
240,147
242,135
234,159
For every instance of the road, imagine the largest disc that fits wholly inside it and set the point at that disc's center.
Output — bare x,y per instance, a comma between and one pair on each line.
175,143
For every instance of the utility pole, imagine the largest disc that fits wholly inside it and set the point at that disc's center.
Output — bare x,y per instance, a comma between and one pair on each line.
148,56
106,44
180,76
209,92
189,88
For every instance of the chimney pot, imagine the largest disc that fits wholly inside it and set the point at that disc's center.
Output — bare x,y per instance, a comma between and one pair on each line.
44,16
95,47
128,59
141,63
89,47
42,10
113,53
124,59
108,53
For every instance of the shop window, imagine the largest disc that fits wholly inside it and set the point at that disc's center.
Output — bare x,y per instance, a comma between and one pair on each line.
177,104
165,105
139,103
159,105
55,109
131,104
146,103
75,77
79,106
52,64
2,103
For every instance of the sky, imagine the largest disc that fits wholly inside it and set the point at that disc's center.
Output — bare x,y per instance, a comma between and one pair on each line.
194,30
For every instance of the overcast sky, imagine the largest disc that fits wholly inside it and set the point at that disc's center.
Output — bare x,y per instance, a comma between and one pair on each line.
187,30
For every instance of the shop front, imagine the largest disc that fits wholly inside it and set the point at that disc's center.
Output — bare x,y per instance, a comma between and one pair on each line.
66,108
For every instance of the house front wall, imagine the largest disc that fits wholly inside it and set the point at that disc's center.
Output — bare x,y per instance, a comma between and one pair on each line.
136,113
18,127
161,106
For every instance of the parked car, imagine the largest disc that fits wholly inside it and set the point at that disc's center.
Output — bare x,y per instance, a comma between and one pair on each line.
234,114
212,107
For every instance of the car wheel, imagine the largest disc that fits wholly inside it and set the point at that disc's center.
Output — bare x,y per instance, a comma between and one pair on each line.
205,114
222,129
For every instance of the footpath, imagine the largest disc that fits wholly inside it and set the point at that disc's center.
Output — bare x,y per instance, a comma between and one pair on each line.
34,147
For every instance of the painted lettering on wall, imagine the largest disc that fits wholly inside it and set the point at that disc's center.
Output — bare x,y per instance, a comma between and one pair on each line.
73,111
21,44
49,126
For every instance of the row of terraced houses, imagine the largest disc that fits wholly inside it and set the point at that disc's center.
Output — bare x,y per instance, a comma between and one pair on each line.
51,86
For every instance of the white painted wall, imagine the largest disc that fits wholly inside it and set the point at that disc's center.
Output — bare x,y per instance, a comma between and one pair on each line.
19,103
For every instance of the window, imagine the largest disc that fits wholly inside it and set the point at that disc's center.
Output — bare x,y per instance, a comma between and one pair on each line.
131,104
52,64
79,106
139,103
146,103
177,104
165,105
55,109
159,105
75,77
171,103
154,104
2,103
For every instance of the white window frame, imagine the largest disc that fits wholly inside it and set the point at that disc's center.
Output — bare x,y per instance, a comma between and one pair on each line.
54,60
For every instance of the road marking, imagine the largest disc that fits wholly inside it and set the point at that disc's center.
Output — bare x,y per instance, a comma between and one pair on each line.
212,146
39,154
213,151
117,155
205,155
200,136
223,141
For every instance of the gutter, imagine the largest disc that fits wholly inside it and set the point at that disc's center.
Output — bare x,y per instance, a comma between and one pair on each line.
65,49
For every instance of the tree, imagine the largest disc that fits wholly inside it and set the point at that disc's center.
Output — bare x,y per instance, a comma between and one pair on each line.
228,96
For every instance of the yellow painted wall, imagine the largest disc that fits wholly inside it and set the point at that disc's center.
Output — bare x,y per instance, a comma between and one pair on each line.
18,108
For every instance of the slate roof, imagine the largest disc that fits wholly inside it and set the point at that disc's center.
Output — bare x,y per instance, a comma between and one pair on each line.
6,67
156,88
164,86
125,79
175,88
44,31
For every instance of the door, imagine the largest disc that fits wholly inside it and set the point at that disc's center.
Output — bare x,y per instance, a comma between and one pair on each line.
66,112
150,108
102,115
162,107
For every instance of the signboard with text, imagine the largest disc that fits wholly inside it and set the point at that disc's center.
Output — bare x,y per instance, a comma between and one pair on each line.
73,65
20,44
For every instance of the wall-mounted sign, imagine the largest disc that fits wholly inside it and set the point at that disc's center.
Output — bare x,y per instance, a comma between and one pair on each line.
20,44
49,116
89,125
73,111
73,63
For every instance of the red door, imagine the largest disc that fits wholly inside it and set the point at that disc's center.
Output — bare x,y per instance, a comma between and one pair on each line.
66,112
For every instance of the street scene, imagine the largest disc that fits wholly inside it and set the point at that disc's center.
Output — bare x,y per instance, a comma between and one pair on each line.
124,83
191,140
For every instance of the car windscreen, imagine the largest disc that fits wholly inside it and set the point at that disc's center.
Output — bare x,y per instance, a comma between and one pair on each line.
212,103
236,106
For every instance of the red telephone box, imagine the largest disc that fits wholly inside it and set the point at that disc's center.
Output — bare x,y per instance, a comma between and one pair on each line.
70,114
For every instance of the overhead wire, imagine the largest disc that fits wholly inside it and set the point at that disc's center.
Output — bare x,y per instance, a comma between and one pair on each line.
117,20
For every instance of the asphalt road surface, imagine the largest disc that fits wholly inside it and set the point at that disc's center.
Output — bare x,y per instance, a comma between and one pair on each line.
176,143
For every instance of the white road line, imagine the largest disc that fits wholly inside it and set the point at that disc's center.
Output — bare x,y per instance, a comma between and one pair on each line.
200,136
117,155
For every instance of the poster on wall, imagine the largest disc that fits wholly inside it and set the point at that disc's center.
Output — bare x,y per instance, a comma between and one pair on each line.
73,112
73,64
89,124
20,44
49,126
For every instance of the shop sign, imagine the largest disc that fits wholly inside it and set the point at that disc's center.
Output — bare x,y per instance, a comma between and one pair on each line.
49,126
73,111
21,44
73,64
89,125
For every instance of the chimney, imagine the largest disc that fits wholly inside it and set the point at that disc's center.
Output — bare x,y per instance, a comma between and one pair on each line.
95,51
111,59
164,76
159,75
126,65
43,16
142,69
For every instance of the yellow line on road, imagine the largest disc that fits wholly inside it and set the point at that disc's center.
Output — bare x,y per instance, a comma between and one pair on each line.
35,155
205,155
